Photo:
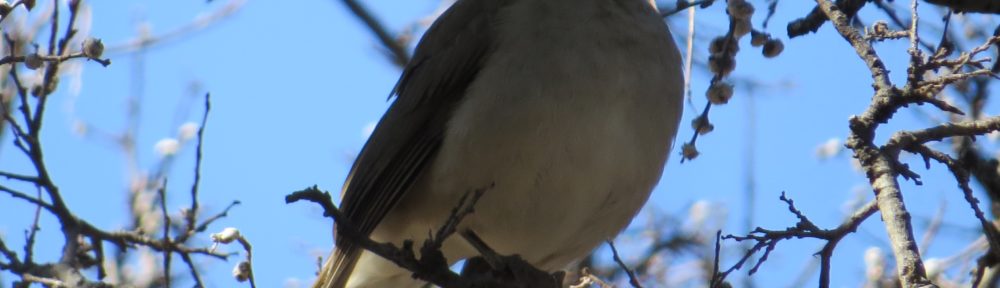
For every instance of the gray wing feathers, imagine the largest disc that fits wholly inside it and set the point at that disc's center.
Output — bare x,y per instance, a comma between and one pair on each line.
407,137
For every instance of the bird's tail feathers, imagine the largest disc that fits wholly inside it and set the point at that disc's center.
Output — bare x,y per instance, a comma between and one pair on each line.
338,267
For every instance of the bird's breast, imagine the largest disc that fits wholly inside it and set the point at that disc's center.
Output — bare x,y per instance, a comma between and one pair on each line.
570,121
572,138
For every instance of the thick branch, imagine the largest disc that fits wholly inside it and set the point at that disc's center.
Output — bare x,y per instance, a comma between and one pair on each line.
879,167
816,18
507,271
906,139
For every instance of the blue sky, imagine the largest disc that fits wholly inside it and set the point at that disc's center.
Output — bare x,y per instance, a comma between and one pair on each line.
294,86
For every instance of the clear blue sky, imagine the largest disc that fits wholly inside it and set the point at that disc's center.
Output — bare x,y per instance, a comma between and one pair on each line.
294,84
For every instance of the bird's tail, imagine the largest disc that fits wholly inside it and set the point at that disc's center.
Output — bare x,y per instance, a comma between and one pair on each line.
337,269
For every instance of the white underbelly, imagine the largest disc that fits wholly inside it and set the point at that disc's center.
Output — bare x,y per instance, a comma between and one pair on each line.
567,172
572,141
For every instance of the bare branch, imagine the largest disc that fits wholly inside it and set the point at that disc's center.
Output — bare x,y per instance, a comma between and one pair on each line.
767,240
400,54
632,279
817,17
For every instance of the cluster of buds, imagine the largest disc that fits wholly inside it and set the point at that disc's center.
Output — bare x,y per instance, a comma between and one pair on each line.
92,48
723,48
739,13
168,147
722,62
770,47
243,271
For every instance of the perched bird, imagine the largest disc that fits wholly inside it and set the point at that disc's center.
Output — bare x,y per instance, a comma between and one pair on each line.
566,108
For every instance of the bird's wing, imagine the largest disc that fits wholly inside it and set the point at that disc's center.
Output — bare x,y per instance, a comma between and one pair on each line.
407,137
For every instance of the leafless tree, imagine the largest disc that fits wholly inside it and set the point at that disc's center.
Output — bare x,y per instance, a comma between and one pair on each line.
31,75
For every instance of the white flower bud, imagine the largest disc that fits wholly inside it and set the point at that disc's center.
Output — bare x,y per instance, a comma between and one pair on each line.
167,147
874,263
227,235
934,267
699,212
187,131
830,148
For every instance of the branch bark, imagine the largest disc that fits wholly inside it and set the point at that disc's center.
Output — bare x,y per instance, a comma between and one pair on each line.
880,167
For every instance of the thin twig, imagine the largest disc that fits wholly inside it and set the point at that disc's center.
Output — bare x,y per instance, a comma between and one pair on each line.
400,54
54,59
192,213
162,192
29,245
681,5
632,279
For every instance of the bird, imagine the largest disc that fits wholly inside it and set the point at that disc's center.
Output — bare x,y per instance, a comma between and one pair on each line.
566,109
